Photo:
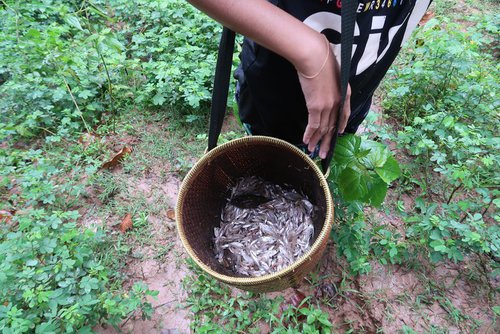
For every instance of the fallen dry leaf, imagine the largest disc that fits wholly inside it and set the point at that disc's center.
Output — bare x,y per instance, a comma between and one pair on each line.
126,223
117,158
5,216
427,16
171,214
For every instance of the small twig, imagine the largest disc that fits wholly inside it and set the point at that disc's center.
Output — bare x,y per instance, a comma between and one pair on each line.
161,305
110,88
482,213
133,312
128,318
487,207
55,134
453,192
76,105
484,269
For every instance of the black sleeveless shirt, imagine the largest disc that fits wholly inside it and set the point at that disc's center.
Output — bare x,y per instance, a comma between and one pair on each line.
270,97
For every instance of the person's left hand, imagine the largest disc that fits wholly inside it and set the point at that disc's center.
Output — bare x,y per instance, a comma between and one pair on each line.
323,99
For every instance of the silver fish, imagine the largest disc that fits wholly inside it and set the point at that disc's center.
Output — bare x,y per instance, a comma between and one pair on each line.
264,227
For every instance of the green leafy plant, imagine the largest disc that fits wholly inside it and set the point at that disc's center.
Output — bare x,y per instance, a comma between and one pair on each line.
444,97
177,48
51,279
363,169
61,70
216,310
361,173
55,275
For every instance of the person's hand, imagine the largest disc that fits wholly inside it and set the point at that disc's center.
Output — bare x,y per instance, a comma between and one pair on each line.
323,98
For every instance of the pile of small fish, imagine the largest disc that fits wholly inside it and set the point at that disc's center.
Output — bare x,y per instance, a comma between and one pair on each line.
264,227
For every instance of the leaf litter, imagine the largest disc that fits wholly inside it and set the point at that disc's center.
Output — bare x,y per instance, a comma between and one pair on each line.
117,159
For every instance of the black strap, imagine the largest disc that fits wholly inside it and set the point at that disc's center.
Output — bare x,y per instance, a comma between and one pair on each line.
223,72
348,15
221,86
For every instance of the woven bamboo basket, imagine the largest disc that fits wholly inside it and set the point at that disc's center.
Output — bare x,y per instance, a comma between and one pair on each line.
205,189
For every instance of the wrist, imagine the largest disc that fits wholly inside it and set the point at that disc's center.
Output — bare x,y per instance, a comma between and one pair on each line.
312,56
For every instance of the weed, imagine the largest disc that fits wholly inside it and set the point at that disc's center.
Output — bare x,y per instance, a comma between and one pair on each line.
52,277
216,309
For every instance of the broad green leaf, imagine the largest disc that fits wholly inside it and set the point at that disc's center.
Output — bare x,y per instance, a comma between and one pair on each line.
92,38
159,99
436,257
362,153
438,245
105,31
113,43
496,202
33,33
324,320
352,184
99,11
73,21
377,189
346,149
389,171
455,254
448,121
435,235
31,263
46,328
377,155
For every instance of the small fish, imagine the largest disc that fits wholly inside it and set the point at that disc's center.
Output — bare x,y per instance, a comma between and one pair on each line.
248,201
264,227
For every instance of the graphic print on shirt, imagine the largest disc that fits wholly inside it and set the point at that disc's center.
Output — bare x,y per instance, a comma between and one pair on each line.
376,39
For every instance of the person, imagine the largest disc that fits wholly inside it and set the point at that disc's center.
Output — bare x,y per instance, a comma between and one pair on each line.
288,79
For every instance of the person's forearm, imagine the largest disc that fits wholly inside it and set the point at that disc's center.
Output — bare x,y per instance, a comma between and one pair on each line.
305,48
270,27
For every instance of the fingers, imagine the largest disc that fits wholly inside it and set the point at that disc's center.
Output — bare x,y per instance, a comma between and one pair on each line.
325,143
346,111
318,125
327,138
322,96
344,117
313,124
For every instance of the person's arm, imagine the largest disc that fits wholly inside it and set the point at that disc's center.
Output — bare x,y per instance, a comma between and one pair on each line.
304,47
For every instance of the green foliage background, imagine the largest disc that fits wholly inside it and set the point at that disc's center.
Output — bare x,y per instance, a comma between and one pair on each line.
72,66
69,64
66,67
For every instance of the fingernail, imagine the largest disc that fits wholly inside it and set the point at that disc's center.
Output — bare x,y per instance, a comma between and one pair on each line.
322,155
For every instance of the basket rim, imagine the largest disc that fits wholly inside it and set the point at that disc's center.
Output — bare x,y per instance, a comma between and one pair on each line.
281,274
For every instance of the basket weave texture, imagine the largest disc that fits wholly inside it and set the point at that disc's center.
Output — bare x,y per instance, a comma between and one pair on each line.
205,190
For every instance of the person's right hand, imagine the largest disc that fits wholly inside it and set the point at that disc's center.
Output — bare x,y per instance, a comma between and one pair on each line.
323,98
304,47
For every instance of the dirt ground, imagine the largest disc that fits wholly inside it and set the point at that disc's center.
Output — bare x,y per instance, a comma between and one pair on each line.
447,298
